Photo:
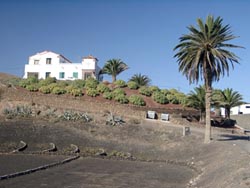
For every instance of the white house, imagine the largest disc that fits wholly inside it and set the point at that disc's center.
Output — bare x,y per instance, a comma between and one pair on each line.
49,64
241,109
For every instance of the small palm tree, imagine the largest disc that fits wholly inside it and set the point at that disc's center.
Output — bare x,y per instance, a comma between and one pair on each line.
141,80
203,53
227,99
114,67
196,99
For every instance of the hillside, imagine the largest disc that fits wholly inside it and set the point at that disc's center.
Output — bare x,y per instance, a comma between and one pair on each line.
97,103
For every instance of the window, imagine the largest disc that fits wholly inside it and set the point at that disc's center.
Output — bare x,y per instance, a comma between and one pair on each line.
61,74
48,61
75,74
87,75
47,74
36,62
247,106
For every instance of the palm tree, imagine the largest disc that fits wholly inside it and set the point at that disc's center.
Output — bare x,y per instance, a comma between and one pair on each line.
227,99
203,54
114,67
196,99
141,80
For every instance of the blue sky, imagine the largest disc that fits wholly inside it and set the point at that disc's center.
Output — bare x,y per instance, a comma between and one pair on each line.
142,33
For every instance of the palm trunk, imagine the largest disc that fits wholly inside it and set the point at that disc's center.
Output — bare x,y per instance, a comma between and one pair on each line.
227,113
113,78
208,115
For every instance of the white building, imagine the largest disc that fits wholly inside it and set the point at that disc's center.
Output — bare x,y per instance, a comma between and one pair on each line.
241,109
50,64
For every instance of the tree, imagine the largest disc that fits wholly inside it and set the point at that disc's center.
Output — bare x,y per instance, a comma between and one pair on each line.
203,54
114,67
196,99
141,80
227,99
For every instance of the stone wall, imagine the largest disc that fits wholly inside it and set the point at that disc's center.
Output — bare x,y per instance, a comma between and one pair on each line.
242,120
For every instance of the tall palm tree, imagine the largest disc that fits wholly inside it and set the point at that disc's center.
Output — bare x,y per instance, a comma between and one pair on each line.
141,80
227,99
114,67
196,99
203,54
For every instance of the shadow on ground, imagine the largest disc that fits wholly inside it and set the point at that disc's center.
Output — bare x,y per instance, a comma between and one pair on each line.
226,137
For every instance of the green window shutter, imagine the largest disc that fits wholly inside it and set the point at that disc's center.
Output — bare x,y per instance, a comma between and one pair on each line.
61,74
75,74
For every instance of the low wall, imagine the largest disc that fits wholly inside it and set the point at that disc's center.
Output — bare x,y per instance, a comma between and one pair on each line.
242,120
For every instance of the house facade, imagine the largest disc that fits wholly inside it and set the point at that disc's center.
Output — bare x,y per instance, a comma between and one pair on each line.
49,64
241,109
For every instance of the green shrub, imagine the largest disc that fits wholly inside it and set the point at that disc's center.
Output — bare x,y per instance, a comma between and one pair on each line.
121,98
102,88
29,81
91,83
52,86
154,88
32,87
108,95
132,85
69,88
145,91
47,81
118,91
63,83
137,100
58,90
172,98
45,89
165,92
92,92
78,83
159,97
120,83
76,92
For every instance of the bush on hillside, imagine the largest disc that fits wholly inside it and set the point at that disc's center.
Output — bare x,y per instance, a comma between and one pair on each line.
154,88
72,90
76,92
159,97
121,98
78,83
165,91
108,95
132,85
118,91
172,98
145,91
47,81
91,83
102,88
29,81
45,89
137,100
120,83
32,87
92,92
58,90
52,86
63,83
